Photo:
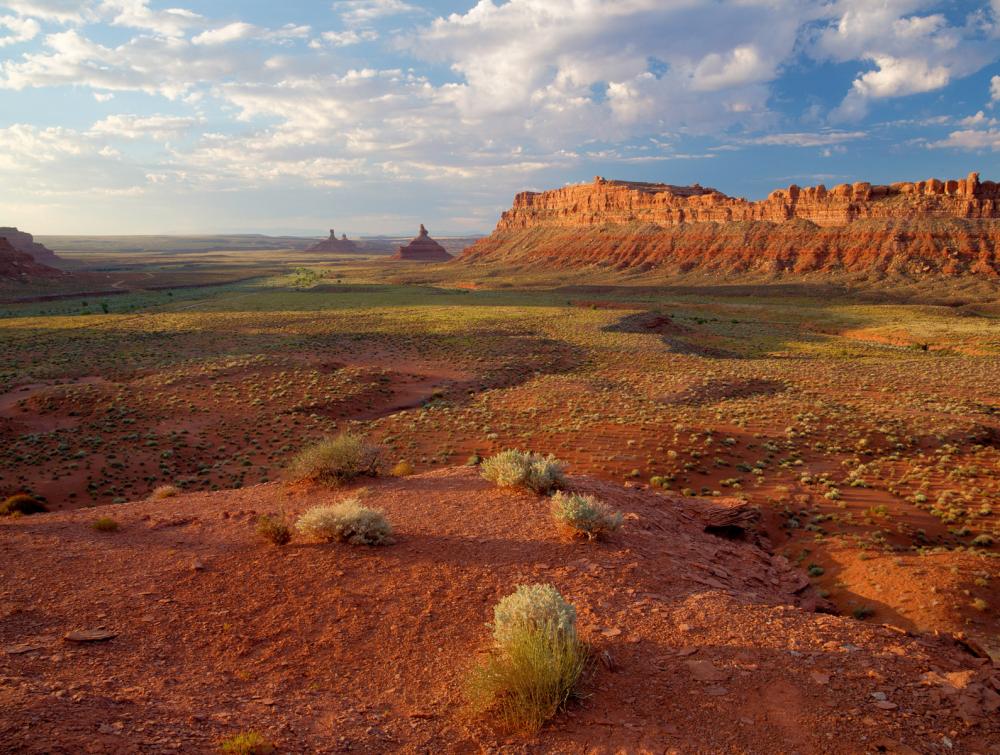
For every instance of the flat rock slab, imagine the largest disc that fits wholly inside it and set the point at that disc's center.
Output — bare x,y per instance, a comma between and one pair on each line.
90,635
20,649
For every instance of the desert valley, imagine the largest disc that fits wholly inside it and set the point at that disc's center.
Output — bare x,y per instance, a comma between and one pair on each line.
513,460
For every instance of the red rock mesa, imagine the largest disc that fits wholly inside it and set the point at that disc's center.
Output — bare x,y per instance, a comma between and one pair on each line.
333,244
423,249
939,227
25,242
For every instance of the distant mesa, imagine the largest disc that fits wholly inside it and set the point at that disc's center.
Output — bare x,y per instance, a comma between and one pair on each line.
932,227
25,242
423,249
16,265
333,244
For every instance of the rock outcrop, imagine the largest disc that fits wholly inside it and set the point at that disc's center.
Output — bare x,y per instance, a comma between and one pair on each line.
423,249
333,244
942,227
25,242
16,265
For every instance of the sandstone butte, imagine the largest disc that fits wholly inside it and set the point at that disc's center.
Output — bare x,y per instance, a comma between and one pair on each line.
333,244
929,227
25,242
19,266
423,249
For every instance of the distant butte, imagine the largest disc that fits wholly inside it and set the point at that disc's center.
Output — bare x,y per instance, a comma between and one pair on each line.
423,249
25,242
927,227
333,244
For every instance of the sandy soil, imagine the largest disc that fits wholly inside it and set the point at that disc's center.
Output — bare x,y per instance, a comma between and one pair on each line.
328,648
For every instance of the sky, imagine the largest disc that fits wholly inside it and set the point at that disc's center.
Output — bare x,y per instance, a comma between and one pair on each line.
372,116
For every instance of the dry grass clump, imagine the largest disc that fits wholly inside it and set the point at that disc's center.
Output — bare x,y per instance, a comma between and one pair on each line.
581,515
275,529
22,504
336,461
535,665
164,491
346,522
105,524
246,743
525,469
402,469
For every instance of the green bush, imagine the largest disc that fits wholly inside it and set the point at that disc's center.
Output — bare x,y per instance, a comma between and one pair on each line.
584,515
536,664
513,468
336,461
22,504
275,529
346,522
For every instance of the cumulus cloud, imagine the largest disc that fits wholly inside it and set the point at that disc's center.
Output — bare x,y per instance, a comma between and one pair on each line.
995,87
970,139
62,11
18,30
806,139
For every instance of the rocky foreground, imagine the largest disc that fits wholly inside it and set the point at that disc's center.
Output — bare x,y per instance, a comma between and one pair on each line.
183,628
913,229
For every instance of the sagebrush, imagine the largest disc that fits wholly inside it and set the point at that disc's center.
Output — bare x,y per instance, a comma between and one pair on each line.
335,461
346,522
582,515
525,469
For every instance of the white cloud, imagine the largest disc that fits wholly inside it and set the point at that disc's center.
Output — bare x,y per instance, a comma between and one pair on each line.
62,11
240,30
805,139
912,53
136,14
161,127
995,87
970,139
359,12
19,30
349,37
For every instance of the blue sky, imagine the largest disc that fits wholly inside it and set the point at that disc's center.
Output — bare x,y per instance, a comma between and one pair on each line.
136,116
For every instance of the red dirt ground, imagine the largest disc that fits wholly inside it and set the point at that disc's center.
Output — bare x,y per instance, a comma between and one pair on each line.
339,648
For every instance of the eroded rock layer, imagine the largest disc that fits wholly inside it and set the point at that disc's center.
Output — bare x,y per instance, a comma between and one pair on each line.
25,242
944,227
17,265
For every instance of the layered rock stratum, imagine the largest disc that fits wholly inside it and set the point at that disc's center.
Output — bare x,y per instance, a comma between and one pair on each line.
423,249
333,244
928,227
16,265
25,242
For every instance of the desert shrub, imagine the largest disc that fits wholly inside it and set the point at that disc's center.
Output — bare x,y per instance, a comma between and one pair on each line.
275,529
105,524
513,468
335,461
982,541
346,522
246,743
164,491
402,469
582,515
538,605
22,504
536,664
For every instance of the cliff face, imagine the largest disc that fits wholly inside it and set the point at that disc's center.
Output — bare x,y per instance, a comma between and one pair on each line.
946,227
19,266
25,242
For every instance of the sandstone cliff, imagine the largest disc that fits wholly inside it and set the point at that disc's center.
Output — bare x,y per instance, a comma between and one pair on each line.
25,242
423,249
19,266
942,227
